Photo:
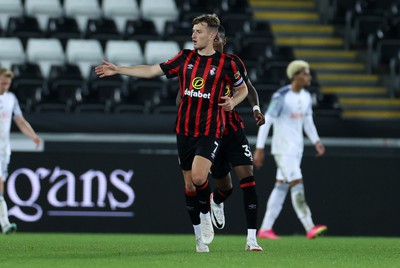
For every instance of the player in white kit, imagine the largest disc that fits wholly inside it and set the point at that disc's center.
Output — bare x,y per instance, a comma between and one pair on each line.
9,109
290,112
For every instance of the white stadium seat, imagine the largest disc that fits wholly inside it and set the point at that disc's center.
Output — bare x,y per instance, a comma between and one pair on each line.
159,51
10,8
84,53
159,11
11,51
45,52
121,11
43,10
82,10
124,52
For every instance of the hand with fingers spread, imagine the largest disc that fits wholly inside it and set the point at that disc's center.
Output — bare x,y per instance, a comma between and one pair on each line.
107,69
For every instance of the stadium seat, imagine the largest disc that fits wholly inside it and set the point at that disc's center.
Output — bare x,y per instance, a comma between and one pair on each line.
236,7
177,31
24,27
123,52
191,8
121,11
359,27
82,11
10,8
63,28
165,102
45,52
156,52
43,10
159,11
141,95
11,51
273,73
103,93
385,51
235,23
141,30
255,50
256,28
65,89
102,29
84,53
28,85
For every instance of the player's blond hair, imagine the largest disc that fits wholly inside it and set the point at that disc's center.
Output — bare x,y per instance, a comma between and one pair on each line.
212,21
6,72
296,67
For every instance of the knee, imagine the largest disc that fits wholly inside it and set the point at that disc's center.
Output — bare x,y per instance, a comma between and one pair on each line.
189,187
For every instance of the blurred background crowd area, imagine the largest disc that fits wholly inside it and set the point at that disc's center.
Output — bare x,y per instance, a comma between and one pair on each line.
353,47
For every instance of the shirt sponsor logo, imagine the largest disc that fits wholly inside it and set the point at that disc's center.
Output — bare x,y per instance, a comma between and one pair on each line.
296,115
197,94
198,83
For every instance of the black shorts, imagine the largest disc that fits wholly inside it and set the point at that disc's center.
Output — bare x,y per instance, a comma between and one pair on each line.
234,151
189,147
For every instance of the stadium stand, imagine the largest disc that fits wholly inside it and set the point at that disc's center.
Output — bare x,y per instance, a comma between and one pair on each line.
125,32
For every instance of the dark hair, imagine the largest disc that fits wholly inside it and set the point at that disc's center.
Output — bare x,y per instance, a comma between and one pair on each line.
212,20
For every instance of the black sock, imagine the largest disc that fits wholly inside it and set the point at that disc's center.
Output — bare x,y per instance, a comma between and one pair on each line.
250,201
203,194
192,206
221,195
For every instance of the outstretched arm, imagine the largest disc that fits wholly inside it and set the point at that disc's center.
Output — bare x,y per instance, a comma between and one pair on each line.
26,128
142,71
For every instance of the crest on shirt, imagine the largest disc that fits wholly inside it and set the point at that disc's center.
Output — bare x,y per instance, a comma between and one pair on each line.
213,70
237,75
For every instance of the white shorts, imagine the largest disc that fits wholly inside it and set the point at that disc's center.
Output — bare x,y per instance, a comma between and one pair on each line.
288,167
4,161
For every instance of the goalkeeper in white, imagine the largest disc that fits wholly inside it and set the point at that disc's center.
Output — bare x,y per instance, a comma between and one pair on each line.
290,111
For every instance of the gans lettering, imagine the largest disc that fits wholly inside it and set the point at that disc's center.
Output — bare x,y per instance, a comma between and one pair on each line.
64,189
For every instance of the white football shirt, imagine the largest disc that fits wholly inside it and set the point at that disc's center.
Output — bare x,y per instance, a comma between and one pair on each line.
9,106
288,111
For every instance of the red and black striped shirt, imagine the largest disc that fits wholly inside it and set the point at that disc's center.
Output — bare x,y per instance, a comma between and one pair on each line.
202,82
234,121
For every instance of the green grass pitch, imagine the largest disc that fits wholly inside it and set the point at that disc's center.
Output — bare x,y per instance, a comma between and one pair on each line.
147,250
